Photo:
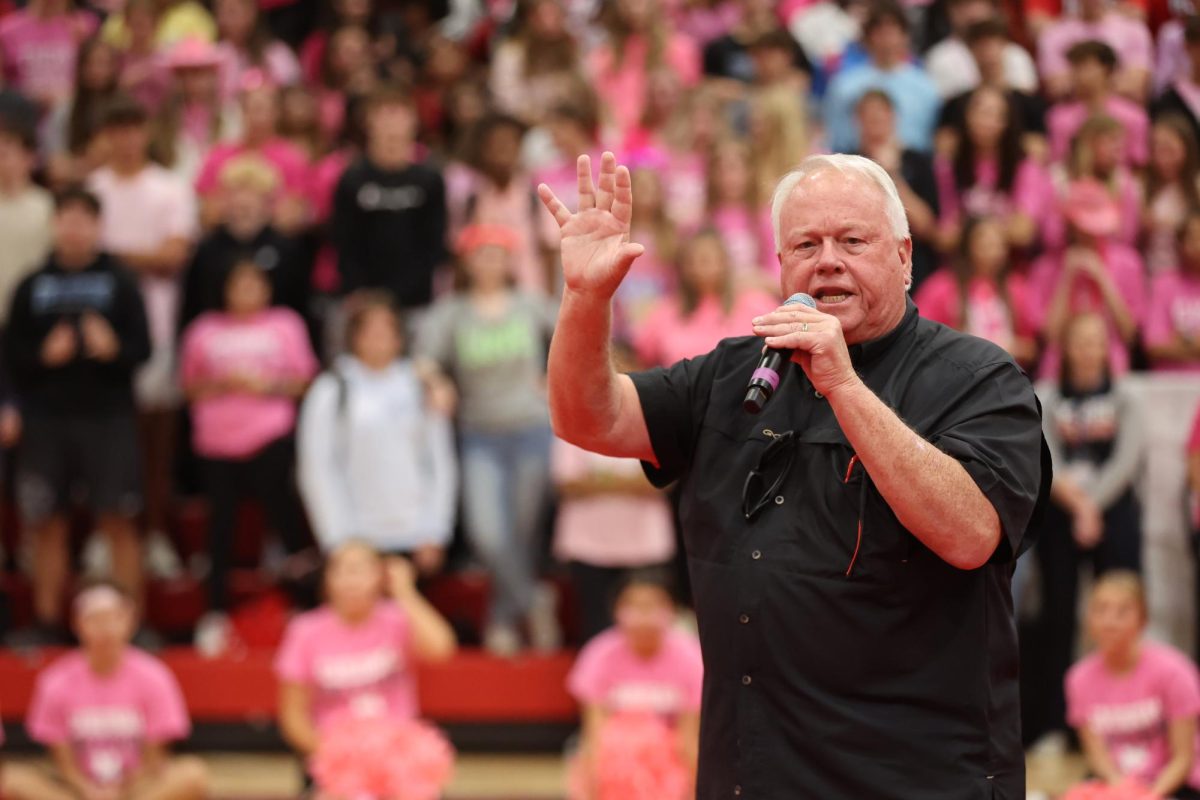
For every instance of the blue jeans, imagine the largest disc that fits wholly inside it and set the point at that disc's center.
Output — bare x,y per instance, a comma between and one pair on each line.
506,484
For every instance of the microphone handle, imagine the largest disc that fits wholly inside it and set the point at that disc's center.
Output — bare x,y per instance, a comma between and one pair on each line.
766,379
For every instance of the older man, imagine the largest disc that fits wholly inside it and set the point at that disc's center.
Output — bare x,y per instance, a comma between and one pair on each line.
850,548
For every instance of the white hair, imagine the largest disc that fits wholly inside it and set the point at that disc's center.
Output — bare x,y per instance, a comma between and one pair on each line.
847,165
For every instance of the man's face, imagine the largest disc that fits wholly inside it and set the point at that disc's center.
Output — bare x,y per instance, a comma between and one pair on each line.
128,143
1089,75
887,41
105,630
76,233
393,123
988,53
836,244
876,120
246,207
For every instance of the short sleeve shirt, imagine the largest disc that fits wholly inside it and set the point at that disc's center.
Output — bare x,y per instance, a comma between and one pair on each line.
888,674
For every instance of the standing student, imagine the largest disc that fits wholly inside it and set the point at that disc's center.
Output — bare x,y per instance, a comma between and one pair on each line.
26,213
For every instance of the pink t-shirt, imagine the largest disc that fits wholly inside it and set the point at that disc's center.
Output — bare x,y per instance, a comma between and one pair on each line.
609,674
1028,194
325,176
107,719
612,530
1131,712
1125,189
666,336
364,670
1124,265
624,87
1129,37
1174,308
289,161
1065,119
988,316
271,346
39,54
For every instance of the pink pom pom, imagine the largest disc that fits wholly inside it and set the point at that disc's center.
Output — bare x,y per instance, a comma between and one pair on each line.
376,758
637,759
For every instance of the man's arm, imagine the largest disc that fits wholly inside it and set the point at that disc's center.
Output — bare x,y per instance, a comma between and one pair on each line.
591,405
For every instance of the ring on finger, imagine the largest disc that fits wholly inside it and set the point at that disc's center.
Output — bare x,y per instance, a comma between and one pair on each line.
804,327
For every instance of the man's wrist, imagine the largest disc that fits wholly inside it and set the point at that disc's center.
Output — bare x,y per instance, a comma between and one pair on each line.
848,390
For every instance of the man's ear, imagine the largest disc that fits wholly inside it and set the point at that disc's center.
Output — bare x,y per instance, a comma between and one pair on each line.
905,252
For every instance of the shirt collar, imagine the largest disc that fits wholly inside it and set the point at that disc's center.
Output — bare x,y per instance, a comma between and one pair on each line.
864,353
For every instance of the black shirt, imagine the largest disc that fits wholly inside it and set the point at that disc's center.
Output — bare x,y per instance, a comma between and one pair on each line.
899,680
82,386
389,228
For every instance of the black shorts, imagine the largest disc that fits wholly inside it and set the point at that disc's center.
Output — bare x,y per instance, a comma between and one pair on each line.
93,462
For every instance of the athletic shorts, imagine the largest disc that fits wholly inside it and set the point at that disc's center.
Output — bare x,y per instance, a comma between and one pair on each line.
92,462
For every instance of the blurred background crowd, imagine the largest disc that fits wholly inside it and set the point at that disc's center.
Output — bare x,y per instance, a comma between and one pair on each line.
275,271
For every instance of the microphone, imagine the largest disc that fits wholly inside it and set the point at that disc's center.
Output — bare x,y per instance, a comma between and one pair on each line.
771,367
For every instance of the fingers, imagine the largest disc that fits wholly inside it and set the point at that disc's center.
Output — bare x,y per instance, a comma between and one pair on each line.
555,206
628,253
587,192
608,176
622,207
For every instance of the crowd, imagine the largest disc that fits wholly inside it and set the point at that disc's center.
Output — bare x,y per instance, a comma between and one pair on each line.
292,251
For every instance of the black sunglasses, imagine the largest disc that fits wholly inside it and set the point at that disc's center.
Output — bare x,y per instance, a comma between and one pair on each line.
783,447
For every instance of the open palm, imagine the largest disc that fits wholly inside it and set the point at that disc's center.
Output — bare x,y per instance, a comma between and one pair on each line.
596,251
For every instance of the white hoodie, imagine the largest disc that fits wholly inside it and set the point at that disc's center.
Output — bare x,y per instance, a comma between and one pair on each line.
374,462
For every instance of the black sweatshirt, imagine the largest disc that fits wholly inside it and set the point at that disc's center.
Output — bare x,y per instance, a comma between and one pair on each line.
83,386
389,228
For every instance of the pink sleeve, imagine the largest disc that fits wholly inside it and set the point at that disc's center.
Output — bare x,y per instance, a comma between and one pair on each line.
312,53
1018,292
295,172
1058,129
1181,687
210,170
684,59
691,665
1043,276
586,680
403,632
303,359
1141,53
1138,133
181,217
1051,56
282,64
1193,445
47,718
947,192
1031,189
165,711
936,299
191,355
1158,329
1077,691
293,660
1131,282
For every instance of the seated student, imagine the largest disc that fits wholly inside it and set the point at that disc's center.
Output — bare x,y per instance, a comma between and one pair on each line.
376,455
357,653
1134,701
643,665
1172,335
106,712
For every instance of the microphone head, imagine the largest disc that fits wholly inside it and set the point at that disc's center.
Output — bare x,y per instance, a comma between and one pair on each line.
802,299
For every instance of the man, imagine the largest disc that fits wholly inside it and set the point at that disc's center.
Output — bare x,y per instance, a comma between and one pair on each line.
1093,65
885,36
107,712
950,63
76,333
850,549
148,223
1098,20
389,210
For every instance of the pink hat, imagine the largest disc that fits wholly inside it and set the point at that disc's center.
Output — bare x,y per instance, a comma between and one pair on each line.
1090,208
481,235
193,53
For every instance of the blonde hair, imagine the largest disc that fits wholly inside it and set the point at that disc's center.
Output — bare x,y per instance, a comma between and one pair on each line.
784,141
249,172
1126,581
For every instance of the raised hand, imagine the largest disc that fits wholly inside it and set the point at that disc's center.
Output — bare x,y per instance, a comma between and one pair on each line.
596,251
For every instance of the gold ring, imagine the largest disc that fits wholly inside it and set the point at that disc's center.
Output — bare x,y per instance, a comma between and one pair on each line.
804,327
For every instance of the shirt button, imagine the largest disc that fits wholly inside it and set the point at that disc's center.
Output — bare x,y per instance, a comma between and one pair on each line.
745,680
737,791
756,555
778,499
817,394
744,618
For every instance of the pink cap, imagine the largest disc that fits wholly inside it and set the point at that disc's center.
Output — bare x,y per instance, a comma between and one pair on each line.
193,53
1090,207
481,235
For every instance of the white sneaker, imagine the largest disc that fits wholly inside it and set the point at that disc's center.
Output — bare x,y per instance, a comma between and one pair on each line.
214,633
97,556
545,634
502,641
160,558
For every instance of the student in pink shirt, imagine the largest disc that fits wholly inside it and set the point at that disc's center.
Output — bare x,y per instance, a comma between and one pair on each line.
1098,20
194,116
988,173
643,665
144,71
1172,189
537,66
107,712
980,295
243,370
260,106
246,44
707,307
1094,273
639,48
648,284
38,47
1093,65
1172,334
357,653
1133,701
740,216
